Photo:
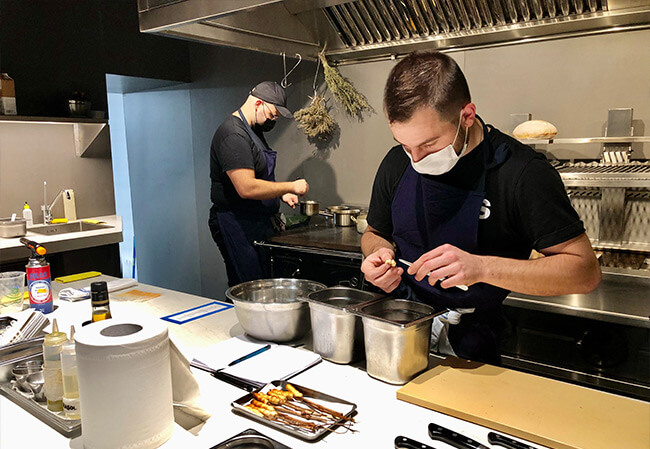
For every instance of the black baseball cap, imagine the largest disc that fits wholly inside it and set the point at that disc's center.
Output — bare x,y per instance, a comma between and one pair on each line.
273,93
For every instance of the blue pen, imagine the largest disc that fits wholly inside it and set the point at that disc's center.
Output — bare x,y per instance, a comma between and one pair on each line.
252,354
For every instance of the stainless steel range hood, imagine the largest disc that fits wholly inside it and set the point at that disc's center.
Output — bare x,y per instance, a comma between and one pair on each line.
353,31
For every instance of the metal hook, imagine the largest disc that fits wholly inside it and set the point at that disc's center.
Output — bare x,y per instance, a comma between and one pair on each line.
316,77
284,83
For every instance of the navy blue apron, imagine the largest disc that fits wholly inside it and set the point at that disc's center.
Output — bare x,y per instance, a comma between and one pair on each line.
241,228
427,214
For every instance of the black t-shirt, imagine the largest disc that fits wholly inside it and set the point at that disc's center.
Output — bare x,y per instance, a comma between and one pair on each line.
233,148
525,207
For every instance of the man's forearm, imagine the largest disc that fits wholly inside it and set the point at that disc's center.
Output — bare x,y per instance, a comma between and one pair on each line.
259,189
558,274
371,242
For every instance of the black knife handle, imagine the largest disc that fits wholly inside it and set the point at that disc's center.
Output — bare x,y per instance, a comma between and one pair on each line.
502,440
452,438
407,443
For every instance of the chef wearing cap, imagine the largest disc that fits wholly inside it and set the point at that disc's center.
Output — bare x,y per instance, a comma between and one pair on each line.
244,193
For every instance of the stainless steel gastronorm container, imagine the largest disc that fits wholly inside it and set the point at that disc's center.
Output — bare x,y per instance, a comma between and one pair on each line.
337,333
397,333
273,309
10,229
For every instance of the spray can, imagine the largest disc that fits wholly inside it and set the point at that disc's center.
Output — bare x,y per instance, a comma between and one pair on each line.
38,278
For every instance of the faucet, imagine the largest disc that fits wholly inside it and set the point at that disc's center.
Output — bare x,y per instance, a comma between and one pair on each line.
47,209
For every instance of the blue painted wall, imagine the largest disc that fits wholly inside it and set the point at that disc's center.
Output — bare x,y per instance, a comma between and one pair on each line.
161,176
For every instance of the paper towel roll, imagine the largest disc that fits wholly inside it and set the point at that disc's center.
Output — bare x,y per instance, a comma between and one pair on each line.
125,384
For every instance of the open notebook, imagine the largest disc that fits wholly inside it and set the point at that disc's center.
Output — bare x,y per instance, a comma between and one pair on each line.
277,363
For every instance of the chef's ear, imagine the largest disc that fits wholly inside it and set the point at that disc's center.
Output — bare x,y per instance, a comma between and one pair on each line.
468,115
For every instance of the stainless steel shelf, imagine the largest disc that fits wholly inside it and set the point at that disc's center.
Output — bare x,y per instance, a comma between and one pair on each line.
85,130
620,298
49,120
583,140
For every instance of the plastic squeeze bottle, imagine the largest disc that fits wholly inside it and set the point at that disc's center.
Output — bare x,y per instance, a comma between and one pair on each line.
52,346
27,215
70,381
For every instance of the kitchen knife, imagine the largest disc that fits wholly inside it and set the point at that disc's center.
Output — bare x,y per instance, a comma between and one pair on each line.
502,440
408,264
225,377
453,438
407,443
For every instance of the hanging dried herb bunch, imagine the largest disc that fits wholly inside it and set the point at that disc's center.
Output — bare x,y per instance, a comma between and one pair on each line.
343,90
315,120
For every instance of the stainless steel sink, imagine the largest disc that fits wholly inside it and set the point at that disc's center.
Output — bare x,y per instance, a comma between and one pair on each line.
65,228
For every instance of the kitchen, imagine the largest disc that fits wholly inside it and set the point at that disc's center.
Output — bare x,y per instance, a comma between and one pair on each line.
504,80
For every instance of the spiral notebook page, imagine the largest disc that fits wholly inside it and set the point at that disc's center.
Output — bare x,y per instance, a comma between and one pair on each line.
278,363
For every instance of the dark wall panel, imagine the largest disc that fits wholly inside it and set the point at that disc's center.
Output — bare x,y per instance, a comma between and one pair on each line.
52,48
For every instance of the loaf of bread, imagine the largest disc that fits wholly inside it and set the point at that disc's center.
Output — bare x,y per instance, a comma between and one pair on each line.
535,129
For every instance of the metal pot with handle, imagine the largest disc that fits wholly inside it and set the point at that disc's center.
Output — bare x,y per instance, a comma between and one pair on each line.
309,208
342,215
362,223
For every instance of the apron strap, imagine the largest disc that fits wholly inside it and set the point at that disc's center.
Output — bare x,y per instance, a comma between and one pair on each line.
499,157
256,140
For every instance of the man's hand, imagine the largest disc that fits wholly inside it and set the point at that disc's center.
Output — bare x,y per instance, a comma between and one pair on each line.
447,262
290,199
300,187
379,273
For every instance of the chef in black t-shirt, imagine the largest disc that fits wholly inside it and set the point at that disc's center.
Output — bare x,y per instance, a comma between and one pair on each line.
244,193
466,204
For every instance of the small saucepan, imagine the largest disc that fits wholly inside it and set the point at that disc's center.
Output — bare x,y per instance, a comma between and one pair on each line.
309,208
342,215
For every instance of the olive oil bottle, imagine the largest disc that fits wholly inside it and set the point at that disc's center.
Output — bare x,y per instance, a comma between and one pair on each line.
99,300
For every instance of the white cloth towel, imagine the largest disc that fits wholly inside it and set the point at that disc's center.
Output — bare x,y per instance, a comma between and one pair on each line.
74,294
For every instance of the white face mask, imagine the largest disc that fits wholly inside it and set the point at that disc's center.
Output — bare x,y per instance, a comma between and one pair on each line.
441,161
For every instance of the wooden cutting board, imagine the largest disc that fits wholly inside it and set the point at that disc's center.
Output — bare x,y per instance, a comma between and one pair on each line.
545,411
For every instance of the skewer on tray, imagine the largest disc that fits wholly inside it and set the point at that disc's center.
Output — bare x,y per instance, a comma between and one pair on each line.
291,407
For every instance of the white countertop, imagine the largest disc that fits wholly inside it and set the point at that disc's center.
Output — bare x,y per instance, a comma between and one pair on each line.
12,249
381,417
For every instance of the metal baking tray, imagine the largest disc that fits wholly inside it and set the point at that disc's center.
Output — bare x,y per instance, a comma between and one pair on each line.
70,428
250,438
346,408
8,359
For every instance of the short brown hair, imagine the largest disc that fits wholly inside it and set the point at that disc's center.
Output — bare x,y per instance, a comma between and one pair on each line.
425,79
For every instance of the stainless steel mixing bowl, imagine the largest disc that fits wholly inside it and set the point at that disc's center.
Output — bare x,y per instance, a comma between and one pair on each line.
273,309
